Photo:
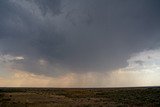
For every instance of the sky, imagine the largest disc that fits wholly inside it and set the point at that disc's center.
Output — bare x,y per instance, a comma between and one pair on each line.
79,43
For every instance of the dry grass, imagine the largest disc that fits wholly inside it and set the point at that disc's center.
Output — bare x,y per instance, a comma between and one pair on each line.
91,97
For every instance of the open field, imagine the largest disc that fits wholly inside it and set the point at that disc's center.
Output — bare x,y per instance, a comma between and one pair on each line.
80,97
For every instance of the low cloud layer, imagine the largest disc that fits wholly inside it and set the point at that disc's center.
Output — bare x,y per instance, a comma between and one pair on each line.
56,37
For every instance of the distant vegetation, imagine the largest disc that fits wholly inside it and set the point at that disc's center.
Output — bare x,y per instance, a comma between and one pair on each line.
87,97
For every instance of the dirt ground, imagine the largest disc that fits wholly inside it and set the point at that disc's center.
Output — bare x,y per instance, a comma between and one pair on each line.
80,97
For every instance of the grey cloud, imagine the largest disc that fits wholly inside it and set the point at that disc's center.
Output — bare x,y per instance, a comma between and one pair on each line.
77,35
52,6
139,62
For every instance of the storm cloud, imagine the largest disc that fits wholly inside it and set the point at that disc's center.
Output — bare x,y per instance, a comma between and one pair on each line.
59,36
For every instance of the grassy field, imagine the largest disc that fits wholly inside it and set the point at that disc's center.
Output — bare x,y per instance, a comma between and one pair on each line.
80,97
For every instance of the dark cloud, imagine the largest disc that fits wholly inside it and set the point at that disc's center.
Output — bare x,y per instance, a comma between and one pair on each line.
79,36
52,6
139,62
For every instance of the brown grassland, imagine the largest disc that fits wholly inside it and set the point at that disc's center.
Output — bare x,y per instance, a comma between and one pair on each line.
80,97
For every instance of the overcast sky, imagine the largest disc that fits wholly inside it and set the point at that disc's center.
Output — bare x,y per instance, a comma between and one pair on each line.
79,43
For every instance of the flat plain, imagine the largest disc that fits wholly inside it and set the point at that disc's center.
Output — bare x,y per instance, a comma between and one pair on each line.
80,97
